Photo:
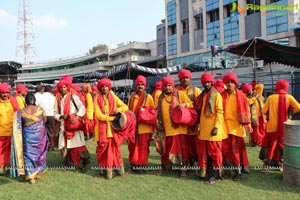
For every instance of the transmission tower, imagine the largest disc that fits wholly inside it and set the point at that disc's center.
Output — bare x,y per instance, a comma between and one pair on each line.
25,35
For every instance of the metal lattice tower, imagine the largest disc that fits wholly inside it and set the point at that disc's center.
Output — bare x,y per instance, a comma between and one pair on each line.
25,35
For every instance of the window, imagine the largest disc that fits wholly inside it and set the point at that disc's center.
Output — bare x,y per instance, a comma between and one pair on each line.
185,26
199,21
271,1
253,3
213,16
172,29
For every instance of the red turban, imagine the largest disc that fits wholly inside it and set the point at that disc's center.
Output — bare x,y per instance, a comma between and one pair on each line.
4,87
140,79
104,81
21,88
55,90
67,78
207,77
230,76
76,88
282,85
253,84
62,83
219,85
158,85
243,85
167,80
184,73
247,88
94,88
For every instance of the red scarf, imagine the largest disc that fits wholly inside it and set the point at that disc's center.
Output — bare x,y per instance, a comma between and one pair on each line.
173,104
282,112
14,102
242,106
209,104
139,104
103,124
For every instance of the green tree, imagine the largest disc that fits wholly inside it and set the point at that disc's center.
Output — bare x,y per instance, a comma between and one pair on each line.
99,47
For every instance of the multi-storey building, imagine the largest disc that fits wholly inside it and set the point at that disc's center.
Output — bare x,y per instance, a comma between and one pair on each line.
79,67
194,26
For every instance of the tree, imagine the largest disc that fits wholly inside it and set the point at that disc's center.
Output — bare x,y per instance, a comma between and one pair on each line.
99,47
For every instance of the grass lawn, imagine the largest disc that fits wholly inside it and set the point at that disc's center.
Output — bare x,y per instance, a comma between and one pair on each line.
56,184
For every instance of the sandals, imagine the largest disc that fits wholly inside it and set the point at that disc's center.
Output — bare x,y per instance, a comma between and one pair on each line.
183,174
237,177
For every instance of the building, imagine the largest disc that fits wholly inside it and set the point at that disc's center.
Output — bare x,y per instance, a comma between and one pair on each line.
79,67
196,27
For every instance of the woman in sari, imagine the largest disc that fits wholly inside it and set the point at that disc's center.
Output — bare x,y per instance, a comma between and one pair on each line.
29,142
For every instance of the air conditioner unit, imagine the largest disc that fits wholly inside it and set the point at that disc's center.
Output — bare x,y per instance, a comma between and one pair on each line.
259,64
134,58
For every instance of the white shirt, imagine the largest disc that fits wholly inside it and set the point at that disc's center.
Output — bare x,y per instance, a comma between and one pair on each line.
47,101
38,97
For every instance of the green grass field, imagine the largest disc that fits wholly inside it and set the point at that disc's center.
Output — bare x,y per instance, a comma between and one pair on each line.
56,184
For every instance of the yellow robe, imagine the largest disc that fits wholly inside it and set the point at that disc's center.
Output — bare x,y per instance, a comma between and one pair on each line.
195,93
169,129
6,118
271,107
89,106
208,123
21,101
231,117
143,128
119,105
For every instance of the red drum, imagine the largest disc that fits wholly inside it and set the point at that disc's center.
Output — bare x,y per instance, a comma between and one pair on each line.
125,125
185,116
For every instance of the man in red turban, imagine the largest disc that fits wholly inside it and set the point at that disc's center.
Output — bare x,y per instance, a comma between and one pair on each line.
89,105
138,151
212,130
173,135
276,108
8,105
157,91
192,92
236,115
108,151
68,110
20,95
219,85
255,109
